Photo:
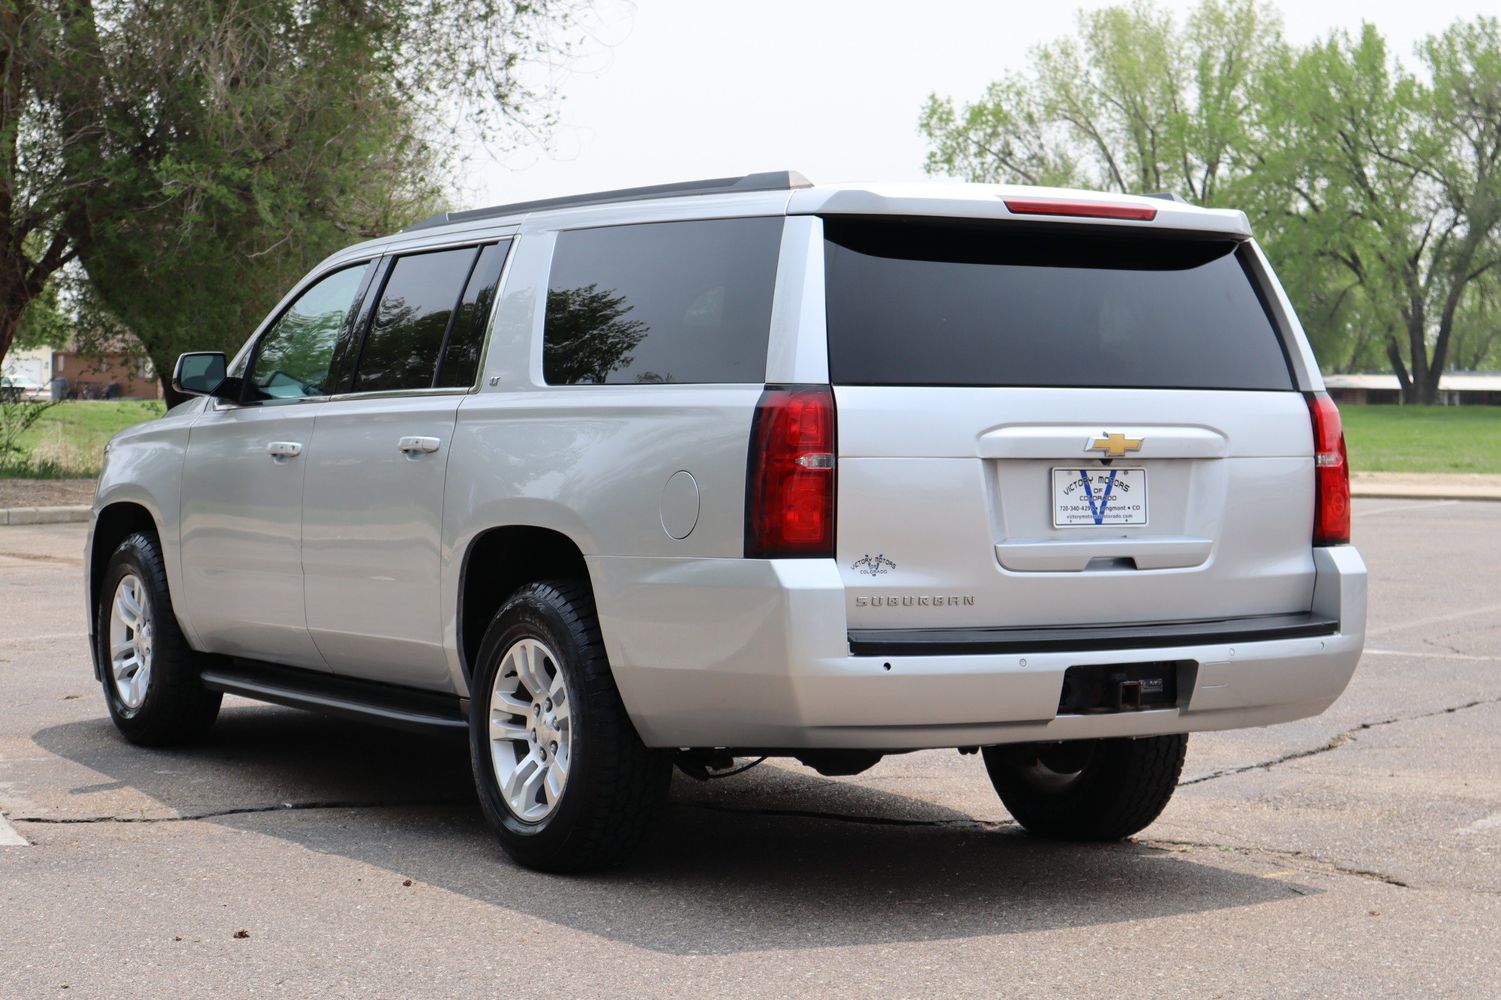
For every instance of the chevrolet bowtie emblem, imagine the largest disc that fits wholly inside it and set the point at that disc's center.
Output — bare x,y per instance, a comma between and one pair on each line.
1115,445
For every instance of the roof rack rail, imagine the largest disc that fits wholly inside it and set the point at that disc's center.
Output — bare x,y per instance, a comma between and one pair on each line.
1166,196
776,180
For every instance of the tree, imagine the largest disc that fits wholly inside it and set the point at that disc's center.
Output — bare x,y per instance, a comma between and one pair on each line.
43,322
1133,104
198,156
32,192
1393,180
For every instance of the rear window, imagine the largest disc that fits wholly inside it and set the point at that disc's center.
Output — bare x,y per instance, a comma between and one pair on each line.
663,302
920,304
411,320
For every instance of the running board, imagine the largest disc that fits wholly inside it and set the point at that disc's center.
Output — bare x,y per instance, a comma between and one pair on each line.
370,701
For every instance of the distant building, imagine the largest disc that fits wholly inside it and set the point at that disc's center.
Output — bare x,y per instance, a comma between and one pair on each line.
75,375
1454,388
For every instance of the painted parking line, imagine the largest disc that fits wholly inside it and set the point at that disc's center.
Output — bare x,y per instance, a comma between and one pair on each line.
1488,823
1431,656
9,837
1434,620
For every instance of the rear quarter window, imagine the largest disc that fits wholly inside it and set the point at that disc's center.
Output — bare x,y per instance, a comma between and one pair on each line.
949,305
686,302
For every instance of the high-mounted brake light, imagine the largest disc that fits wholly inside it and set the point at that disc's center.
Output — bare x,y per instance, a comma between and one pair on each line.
789,493
1331,473
1082,209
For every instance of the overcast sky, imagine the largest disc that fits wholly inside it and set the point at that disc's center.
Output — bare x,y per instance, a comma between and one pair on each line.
680,89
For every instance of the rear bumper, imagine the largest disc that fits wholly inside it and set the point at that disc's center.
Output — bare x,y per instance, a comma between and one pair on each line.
755,654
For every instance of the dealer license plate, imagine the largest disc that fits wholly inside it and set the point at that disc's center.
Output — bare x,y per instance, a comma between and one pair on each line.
1099,497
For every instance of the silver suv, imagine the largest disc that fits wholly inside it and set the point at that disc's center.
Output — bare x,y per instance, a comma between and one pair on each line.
746,467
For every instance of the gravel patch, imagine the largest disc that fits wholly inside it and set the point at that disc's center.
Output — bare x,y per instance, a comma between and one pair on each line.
45,492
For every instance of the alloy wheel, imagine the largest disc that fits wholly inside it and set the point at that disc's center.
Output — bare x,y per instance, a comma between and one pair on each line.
130,640
531,732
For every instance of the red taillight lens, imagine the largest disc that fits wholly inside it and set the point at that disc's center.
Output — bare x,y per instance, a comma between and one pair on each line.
789,495
1081,209
1331,473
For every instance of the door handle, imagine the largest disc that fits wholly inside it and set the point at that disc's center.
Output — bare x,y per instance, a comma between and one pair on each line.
416,445
284,449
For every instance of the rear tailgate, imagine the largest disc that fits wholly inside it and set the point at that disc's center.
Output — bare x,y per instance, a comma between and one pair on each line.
1060,425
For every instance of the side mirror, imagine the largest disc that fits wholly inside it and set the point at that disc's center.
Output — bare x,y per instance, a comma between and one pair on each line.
200,373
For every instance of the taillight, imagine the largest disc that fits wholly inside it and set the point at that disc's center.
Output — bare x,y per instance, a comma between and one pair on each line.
1081,209
1331,473
789,493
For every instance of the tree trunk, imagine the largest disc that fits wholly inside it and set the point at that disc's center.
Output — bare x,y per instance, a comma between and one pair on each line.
169,395
10,322
1404,380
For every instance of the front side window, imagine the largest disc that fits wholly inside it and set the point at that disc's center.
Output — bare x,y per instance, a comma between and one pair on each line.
408,327
293,359
662,302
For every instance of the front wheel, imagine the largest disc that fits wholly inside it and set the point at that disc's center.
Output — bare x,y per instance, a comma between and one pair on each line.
151,674
1087,789
562,776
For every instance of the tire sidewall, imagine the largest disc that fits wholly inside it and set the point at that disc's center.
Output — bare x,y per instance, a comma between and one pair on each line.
529,615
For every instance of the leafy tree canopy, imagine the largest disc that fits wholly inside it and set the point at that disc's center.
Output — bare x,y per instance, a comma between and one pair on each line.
197,156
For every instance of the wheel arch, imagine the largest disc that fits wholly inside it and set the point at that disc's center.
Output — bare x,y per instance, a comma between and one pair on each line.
496,563
114,523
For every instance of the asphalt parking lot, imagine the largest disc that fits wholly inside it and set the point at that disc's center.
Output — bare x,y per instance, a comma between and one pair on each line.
1357,854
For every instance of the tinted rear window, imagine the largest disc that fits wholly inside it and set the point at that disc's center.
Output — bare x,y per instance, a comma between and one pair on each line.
918,304
466,335
407,330
664,302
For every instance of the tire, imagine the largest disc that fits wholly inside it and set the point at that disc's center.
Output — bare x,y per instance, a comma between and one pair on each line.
158,700
568,786
1087,789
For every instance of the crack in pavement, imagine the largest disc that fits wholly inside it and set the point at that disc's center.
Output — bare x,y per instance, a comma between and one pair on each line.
1311,861
236,811
39,557
1337,741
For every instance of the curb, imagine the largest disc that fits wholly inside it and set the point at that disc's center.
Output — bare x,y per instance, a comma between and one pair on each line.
44,515
1377,492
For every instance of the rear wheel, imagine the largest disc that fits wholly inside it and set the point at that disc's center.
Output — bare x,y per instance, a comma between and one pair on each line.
151,675
562,776
1087,789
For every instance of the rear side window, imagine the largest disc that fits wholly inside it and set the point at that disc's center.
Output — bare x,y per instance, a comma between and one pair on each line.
466,338
920,304
410,320
664,302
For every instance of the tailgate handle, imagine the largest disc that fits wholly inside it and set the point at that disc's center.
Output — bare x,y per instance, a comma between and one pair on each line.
1051,555
1072,442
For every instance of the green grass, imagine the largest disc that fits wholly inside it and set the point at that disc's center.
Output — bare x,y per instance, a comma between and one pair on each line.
68,441
1423,438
